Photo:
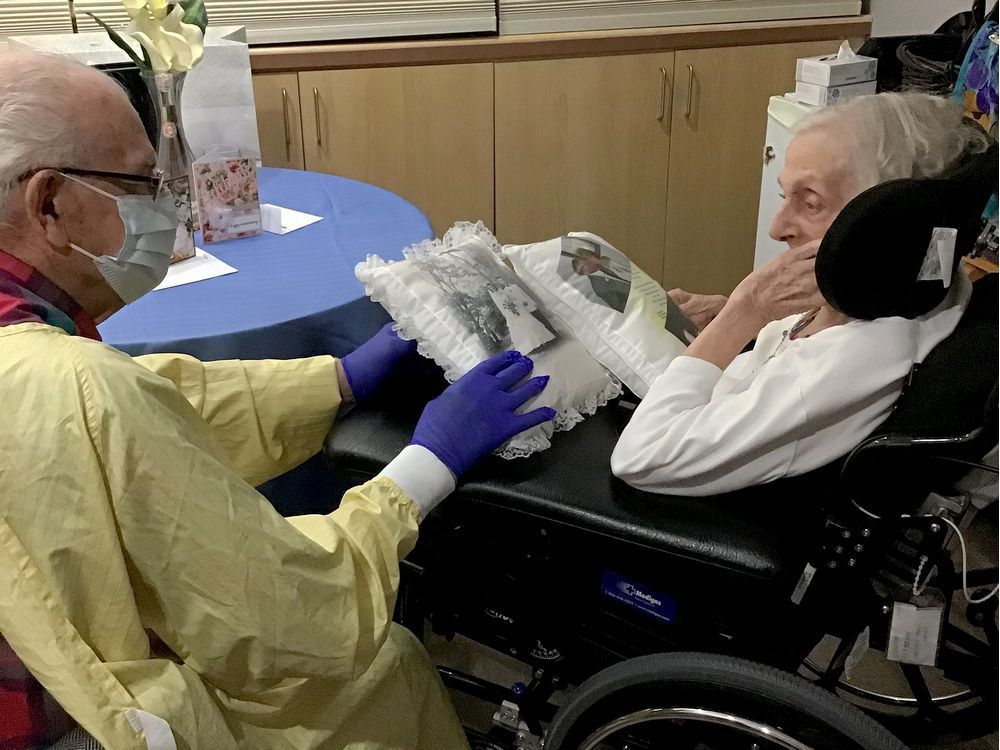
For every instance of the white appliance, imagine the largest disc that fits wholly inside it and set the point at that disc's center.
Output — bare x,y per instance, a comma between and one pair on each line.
782,113
218,93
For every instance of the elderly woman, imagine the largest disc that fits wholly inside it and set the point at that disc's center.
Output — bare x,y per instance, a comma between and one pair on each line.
815,382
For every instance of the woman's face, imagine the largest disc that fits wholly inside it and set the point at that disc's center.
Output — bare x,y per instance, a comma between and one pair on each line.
816,182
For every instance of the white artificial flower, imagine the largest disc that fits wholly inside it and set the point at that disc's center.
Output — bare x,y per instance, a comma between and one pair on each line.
172,45
187,40
158,8
149,33
134,7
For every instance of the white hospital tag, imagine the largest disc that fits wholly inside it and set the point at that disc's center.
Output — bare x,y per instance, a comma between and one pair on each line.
940,258
915,634
802,586
857,653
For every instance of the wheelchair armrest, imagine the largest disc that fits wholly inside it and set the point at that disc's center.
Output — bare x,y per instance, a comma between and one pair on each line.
891,473
757,532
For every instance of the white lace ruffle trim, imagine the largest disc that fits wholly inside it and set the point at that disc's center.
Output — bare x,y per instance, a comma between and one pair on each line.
528,442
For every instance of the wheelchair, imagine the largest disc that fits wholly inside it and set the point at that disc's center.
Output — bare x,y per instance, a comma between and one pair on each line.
694,622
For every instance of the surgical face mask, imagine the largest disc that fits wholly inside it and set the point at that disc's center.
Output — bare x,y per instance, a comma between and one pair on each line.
150,231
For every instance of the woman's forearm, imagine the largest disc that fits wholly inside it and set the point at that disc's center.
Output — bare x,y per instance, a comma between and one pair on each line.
726,336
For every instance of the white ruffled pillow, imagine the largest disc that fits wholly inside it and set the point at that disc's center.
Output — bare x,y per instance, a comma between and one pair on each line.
623,317
462,304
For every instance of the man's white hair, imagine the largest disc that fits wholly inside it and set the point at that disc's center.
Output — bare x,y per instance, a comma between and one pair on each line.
37,122
893,136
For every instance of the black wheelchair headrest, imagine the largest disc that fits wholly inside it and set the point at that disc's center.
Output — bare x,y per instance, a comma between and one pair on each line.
869,260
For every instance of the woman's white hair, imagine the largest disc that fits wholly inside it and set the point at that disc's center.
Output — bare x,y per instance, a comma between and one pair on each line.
37,119
893,136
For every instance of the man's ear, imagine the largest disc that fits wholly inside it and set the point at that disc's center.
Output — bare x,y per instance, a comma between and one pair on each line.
42,209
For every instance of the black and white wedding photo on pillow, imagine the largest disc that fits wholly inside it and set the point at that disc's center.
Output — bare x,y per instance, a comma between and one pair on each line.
462,304
488,297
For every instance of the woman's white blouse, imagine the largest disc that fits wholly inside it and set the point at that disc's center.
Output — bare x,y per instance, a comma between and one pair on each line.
785,408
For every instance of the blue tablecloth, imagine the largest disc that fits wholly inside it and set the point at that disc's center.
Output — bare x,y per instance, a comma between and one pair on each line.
293,295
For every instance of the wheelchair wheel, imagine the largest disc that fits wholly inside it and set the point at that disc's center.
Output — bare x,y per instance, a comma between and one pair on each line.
952,702
955,700
689,701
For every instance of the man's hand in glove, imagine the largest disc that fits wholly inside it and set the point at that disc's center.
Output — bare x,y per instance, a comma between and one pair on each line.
478,412
368,366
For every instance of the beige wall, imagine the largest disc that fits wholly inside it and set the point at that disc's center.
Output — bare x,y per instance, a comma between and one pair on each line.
905,17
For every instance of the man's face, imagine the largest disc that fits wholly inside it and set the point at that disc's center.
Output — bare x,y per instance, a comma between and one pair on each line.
816,183
112,139
587,264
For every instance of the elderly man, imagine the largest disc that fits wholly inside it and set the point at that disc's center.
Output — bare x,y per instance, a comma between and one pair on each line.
816,382
143,581
610,281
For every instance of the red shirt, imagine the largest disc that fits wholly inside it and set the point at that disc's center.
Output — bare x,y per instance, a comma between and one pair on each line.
29,718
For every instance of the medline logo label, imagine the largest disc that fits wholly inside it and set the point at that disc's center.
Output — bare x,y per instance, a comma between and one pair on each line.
498,615
627,592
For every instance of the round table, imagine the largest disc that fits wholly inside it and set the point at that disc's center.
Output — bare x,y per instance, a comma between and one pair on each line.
293,295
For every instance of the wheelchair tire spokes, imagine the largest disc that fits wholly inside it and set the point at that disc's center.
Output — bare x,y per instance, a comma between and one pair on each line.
927,710
956,699
680,728
834,672
684,701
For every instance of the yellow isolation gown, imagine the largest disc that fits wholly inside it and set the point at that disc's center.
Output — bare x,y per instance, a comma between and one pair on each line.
142,576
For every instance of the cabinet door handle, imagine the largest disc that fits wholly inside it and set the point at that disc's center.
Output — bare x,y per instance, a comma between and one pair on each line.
664,84
687,107
284,119
319,133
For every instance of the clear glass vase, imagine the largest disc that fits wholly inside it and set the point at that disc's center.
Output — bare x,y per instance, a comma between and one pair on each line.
173,156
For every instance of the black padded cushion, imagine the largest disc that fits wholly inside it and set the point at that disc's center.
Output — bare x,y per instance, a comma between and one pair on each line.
868,262
757,532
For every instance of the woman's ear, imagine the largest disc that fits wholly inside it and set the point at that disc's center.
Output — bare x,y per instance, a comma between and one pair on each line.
42,204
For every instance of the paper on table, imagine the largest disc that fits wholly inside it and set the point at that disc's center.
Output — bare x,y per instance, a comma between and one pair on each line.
280,220
202,266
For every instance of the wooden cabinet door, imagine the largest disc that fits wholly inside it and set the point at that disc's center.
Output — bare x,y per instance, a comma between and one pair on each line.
717,133
582,144
424,132
279,123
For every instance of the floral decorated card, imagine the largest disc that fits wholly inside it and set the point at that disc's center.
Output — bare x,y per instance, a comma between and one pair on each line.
228,199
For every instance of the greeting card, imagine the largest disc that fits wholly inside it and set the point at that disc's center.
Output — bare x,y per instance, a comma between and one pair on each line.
228,198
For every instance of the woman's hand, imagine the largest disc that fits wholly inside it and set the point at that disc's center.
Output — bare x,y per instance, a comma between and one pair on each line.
700,309
783,286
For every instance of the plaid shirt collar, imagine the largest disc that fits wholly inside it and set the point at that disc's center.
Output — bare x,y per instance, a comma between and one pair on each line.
26,296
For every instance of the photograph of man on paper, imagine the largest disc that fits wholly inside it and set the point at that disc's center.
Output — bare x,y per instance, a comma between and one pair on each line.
605,277
600,272
489,299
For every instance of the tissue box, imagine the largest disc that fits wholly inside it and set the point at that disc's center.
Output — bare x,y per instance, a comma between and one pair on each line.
831,70
821,96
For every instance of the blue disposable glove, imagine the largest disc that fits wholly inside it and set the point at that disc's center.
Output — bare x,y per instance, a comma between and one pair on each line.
372,362
476,414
